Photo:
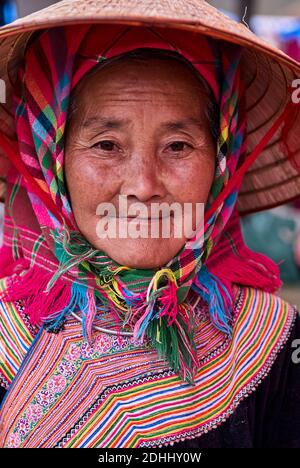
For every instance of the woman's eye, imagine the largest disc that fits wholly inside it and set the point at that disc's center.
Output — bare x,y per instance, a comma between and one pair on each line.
105,145
178,146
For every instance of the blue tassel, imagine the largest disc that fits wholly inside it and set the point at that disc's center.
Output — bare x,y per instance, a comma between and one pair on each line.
213,292
150,316
78,302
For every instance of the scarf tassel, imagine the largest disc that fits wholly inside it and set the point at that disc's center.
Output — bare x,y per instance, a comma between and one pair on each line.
216,295
250,269
29,287
168,324
51,308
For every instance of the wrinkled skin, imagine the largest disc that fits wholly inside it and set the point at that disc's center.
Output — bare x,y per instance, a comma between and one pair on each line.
141,157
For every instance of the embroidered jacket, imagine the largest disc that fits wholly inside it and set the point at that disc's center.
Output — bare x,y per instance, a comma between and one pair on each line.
118,393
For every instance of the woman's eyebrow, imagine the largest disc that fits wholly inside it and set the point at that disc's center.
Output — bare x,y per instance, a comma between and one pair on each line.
184,124
108,123
105,123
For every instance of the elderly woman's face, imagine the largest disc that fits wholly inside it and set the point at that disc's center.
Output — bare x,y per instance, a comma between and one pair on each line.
139,130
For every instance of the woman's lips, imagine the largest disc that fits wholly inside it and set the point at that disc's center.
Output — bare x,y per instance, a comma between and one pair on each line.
138,218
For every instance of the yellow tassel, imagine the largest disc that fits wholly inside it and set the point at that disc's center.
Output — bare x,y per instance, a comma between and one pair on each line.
120,268
157,277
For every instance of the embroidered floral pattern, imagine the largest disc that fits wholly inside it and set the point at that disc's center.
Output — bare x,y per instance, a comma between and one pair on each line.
74,353
45,398
103,343
59,381
14,440
67,368
34,412
23,427
87,351
121,342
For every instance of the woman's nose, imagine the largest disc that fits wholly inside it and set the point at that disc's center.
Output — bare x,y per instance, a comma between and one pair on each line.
143,179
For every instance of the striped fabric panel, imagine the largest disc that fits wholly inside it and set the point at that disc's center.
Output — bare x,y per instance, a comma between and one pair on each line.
16,336
119,394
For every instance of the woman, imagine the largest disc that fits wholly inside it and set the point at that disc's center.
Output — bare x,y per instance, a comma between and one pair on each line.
141,341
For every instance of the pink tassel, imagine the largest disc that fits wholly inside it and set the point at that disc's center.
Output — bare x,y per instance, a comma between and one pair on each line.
168,300
251,269
30,288
188,373
9,265
90,316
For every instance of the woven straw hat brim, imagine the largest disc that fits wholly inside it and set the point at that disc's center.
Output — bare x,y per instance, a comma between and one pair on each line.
267,72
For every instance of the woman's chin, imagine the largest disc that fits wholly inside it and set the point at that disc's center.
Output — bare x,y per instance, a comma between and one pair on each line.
141,253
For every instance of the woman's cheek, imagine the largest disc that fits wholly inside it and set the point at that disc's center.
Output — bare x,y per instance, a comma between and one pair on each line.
97,183
193,181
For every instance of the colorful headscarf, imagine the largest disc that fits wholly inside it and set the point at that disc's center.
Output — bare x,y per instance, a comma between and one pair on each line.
55,270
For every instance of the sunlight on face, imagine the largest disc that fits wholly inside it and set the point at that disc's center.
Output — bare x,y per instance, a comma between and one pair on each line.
139,130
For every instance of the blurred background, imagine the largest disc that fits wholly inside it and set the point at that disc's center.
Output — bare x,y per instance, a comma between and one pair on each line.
274,232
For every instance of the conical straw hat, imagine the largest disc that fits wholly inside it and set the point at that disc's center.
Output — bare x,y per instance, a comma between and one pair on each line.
269,75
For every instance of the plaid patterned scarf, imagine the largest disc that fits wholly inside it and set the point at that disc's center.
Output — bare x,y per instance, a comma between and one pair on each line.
64,273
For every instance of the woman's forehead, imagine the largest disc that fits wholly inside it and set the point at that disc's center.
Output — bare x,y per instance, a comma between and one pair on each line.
143,81
167,68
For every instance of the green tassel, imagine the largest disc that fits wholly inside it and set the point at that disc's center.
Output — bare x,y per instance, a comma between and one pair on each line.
170,344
